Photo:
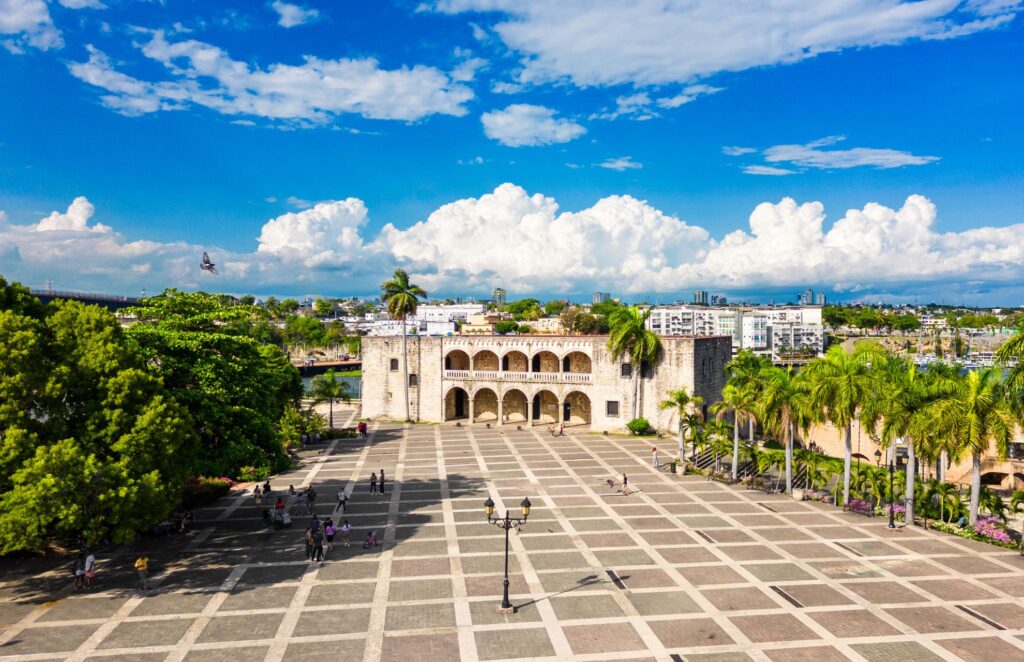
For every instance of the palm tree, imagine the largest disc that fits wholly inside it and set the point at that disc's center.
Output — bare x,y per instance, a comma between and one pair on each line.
745,374
694,424
717,432
840,383
402,298
681,402
629,336
949,499
784,405
326,388
741,404
977,416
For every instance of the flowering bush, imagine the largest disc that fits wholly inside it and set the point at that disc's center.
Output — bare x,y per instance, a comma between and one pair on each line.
990,528
899,512
860,506
817,495
201,490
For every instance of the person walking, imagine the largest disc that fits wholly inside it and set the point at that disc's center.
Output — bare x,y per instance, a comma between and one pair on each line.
342,501
654,458
380,482
346,533
373,483
561,429
90,569
309,544
80,571
318,546
310,500
625,484
258,495
329,532
142,567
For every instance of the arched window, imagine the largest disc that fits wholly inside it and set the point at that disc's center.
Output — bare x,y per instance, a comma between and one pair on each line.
413,379
394,364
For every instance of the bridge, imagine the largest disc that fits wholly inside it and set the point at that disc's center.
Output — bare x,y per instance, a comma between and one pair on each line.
320,367
109,301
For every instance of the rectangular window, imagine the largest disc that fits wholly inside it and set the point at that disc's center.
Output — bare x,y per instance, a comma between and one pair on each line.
413,380
612,408
394,365
627,370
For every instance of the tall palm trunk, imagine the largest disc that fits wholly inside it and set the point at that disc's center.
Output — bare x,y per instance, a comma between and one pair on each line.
750,429
405,370
735,446
941,474
682,447
636,393
330,413
789,459
847,457
975,486
908,498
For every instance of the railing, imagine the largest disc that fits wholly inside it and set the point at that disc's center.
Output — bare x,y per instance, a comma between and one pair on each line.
503,376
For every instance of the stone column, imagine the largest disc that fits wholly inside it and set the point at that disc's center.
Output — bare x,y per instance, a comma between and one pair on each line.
529,411
501,410
471,409
561,412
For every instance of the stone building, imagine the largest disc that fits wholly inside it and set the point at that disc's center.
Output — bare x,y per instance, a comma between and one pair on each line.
535,380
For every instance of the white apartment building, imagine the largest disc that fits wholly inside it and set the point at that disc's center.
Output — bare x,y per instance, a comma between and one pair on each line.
458,312
782,332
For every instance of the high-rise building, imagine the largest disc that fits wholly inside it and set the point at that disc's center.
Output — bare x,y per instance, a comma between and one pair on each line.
700,297
600,297
807,298
718,300
499,296
819,299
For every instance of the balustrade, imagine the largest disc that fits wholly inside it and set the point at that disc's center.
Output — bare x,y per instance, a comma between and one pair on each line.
504,376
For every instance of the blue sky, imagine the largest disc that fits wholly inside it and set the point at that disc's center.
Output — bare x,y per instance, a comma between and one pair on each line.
552,148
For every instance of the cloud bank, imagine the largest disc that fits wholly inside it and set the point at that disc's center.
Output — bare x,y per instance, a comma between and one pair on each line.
526,243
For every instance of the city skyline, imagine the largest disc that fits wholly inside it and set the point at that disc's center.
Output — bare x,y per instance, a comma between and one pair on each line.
869,151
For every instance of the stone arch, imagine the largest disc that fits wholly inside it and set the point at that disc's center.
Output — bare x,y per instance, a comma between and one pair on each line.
485,359
515,361
577,361
993,477
456,404
514,405
545,361
545,407
485,405
576,408
456,360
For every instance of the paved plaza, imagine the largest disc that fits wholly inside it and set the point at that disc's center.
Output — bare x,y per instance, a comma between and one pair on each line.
683,569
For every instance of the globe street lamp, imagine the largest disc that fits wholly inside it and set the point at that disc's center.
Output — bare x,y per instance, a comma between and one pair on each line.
507,523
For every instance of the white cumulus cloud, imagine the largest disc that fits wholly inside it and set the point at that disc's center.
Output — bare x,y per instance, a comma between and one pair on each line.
620,163
313,92
27,23
525,242
655,42
291,15
767,170
812,155
527,125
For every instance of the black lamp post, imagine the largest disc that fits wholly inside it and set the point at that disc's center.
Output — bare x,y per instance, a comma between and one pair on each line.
507,523
892,511
878,457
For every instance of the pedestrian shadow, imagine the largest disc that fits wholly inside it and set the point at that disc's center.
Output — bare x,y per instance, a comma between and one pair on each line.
589,580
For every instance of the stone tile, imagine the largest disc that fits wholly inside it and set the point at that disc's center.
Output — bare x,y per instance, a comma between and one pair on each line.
844,569
546,542
1006,614
886,592
48,640
486,613
739,599
908,567
553,582
420,647
719,657
136,634
162,604
971,565
783,533
615,558
1010,585
853,623
258,597
332,621
635,578
401,568
951,589
777,572
659,603
246,653
816,595
492,585
348,650
669,538
934,620
420,617
809,654
813,550
896,651
773,627
75,609
749,552
348,593
981,649
604,638
501,644
690,632
488,564
728,535
689,555
419,589
569,608
241,628
709,575
557,560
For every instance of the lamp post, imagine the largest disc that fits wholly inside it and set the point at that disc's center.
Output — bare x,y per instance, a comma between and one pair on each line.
507,523
892,511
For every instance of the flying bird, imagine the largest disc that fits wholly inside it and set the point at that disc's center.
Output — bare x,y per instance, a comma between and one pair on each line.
206,265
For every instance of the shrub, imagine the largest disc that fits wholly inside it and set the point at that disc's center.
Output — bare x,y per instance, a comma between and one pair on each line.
638,425
986,529
201,490
860,506
339,433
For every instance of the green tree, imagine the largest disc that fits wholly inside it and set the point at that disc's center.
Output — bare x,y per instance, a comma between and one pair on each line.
100,449
784,405
839,383
745,371
835,316
322,307
977,417
235,387
555,307
630,337
682,405
402,299
506,326
327,388
740,403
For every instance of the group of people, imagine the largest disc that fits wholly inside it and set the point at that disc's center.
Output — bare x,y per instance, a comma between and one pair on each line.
557,431
320,531
377,484
85,570
361,428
